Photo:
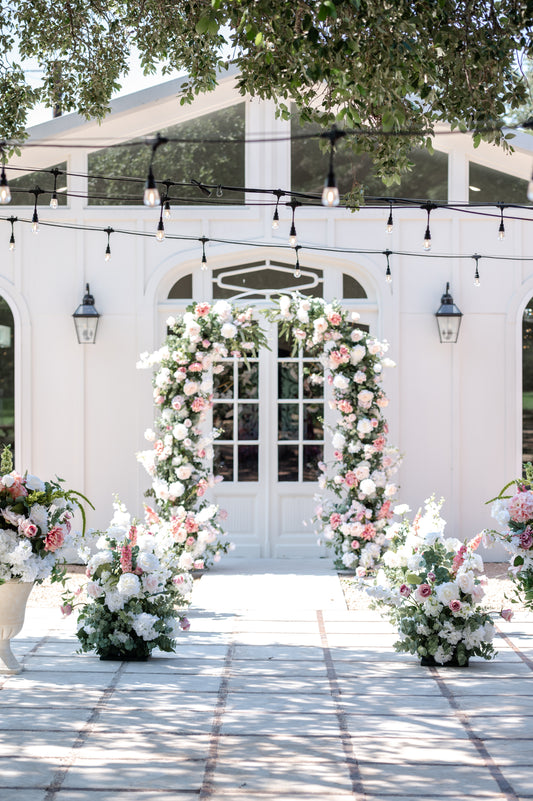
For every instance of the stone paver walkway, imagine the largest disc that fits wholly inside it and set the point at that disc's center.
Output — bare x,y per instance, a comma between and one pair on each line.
277,692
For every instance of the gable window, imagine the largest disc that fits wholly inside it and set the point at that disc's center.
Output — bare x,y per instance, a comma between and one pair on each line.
195,158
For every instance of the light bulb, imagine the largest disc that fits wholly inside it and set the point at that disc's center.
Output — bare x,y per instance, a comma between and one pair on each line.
330,193
12,243
297,272
275,220
107,256
203,266
151,193
35,223
293,239
167,212
390,224
477,282
54,201
501,231
427,239
160,233
5,192
388,276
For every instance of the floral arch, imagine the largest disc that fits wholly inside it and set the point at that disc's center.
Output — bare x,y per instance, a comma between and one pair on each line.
358,481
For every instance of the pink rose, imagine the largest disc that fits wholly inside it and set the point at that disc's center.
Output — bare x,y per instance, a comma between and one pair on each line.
66,610
431,576
335,318
335,520
185,624
424,591
350,478
455,606
507,614
54,539
526,539
27,528
201,309
355,544
405,591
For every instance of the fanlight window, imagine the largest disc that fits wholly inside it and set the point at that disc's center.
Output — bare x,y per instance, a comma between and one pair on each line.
182,289
264,280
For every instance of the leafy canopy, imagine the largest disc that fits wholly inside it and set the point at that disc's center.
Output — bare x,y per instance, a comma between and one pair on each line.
379,64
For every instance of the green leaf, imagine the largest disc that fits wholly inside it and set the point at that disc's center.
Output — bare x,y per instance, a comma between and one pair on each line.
412,578
202,26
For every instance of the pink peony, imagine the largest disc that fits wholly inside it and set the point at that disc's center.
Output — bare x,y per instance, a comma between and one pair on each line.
54,539
521,507
335,318
345,406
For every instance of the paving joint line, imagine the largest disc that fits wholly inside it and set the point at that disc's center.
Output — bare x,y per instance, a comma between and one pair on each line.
61,773
35,648
207,787
345,736
504,786
526,659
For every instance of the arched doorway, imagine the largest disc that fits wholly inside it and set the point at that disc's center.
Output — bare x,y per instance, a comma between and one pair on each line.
272,413
7,375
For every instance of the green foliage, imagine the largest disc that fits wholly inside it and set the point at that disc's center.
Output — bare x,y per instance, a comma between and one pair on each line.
378,65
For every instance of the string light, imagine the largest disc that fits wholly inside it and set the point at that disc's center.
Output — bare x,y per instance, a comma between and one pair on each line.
203,265
388,274
107,255
35,218
293,238
203,189
151,192
12,220
390,222
5,192
297,272
160,233
275,219
428,207
501,229
330,193
54,202
167,212
477,281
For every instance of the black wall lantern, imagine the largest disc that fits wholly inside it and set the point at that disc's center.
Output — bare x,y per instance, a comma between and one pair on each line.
448,318
86,319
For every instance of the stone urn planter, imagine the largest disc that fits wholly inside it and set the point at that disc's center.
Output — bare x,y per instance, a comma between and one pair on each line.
13,598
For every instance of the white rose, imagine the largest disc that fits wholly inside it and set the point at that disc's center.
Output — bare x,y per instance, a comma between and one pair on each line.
228,331
357,354
338,441
466,581
175,490
180,431
285,305
364,426
367,486
447,592
341,382
94,590
35,484
8,481
190,387
128,585
302,315
184,472
148,561
222,309
320,325
149,435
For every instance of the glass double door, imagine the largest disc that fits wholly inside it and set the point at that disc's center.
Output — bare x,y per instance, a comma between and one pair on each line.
270,415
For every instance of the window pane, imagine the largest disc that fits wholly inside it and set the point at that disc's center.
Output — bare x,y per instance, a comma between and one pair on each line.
288,463
44,180
267,278
182,289
223,461
249,380
486,185
284,346
223,419
177,161
288,421
309,164
313,380
287,380
313,454
313,425
7,376
248,421
352,288
248,463
223,382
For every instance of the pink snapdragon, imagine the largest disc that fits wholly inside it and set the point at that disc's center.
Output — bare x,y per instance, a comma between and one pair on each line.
125,559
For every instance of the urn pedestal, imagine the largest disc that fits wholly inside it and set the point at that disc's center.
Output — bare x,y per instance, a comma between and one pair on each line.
13,598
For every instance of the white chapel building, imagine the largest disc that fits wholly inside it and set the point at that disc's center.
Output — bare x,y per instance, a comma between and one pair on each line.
459,413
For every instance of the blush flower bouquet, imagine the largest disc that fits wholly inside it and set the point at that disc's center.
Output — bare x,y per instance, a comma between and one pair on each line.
431,589
514,513
35,524
353,520
136,589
